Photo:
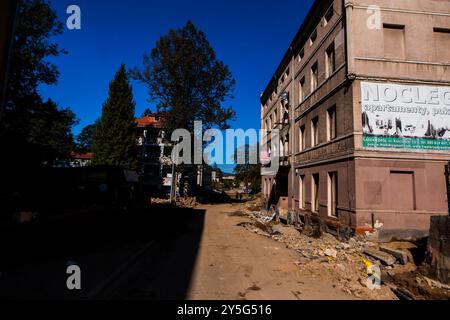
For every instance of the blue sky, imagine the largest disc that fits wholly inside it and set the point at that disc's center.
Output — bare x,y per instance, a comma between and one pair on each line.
250,36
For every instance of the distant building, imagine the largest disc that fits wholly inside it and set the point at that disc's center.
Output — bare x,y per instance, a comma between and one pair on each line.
155,161
81,160
364,131
154,154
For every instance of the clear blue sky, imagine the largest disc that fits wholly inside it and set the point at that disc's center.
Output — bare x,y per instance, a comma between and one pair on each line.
250,36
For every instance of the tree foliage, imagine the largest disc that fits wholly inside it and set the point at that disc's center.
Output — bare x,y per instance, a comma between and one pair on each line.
29,122
248,173
85,139
147,113
114,140
186,80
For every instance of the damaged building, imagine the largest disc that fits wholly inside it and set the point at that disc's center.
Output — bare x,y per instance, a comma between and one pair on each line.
154,154
155,161
362,100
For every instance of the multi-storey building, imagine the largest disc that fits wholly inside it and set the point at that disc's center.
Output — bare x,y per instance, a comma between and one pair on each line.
154,154
155,161
362,98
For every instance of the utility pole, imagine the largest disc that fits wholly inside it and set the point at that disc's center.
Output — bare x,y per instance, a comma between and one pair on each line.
173,185
447,181
292,133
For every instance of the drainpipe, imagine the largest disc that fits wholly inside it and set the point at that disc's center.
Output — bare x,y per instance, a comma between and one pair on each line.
293,137
447,181
173,185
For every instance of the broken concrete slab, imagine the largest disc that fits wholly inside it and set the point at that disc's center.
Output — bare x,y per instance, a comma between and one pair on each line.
330,253
384,257
401,255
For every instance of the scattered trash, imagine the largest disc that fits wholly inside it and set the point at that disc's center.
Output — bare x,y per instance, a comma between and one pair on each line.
359,266
187,202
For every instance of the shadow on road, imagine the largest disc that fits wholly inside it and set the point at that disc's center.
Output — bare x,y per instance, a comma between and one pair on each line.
165,272
34,258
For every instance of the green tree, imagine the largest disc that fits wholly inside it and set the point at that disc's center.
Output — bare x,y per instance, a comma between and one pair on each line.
85,139
187,81
248,173
147,112
35,131
114,141
50,129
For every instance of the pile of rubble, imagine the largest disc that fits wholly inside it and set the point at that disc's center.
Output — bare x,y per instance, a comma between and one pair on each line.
183,202
326,258
160,201
359,267
187,202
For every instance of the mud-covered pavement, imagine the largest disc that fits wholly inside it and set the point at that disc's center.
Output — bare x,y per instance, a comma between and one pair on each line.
228,263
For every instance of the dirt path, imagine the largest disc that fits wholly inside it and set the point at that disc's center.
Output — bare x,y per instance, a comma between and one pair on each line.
233,263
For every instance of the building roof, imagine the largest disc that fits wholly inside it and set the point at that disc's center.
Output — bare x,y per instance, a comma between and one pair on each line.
83,156
154,119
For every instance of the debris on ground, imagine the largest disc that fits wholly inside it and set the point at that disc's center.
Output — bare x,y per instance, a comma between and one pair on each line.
382,256
183,202
160,201
187,202
360,267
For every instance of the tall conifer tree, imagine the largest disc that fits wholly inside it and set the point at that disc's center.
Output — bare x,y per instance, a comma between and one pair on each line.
114,141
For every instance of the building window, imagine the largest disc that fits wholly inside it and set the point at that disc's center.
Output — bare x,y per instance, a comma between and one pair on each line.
441,44
302,192
330,61
315,193
301,55
315,131
314,76
313,38
332,194
275,117
270,122
394,41
302,139
301,90
328,15
331,123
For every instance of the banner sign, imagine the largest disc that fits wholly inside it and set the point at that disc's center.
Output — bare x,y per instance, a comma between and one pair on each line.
405,116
